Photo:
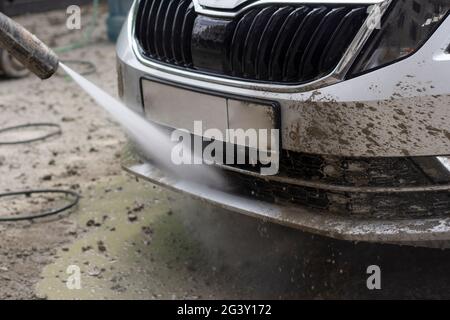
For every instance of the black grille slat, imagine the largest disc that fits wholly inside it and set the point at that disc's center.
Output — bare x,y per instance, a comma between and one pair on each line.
299,42
167,30
144,30
140,25
267,41
186,35
341,38
237,45
285,43
159,25
177,28
149,34
311,56
253,39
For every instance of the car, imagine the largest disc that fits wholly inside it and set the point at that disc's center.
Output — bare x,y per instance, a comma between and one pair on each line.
357,93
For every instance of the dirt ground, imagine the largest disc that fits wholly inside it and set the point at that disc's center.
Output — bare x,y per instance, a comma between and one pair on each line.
133,240
87,150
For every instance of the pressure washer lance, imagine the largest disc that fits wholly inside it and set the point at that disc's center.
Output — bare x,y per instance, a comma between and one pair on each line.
27,48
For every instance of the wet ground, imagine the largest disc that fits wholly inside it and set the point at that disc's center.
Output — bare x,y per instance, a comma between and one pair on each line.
144,243
130,239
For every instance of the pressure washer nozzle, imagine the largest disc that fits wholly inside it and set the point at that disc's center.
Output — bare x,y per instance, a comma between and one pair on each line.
27,48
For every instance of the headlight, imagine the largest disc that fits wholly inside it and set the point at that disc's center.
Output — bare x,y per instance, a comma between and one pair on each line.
405,27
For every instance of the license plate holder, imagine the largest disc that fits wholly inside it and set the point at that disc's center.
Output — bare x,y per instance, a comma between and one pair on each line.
178,106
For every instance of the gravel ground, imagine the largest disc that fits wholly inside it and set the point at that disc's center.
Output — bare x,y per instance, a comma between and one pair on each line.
132,240
87,150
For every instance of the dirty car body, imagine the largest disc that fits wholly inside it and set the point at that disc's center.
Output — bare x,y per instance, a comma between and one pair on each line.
362,94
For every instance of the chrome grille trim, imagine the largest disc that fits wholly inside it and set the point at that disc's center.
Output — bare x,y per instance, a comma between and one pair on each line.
336,76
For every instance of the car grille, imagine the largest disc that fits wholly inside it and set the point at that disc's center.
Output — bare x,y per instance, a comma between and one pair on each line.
328,173
355,204
286,43
348,186
342,171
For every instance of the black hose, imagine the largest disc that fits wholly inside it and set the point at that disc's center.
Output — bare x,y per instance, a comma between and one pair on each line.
74,195
31,125
76,199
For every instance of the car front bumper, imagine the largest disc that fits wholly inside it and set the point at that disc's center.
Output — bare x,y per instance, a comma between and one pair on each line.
431,232
405,115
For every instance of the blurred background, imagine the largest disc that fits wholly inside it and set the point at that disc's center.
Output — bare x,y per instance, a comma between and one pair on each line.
115,10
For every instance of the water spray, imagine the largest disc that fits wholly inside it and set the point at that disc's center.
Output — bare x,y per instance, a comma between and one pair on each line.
42,61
